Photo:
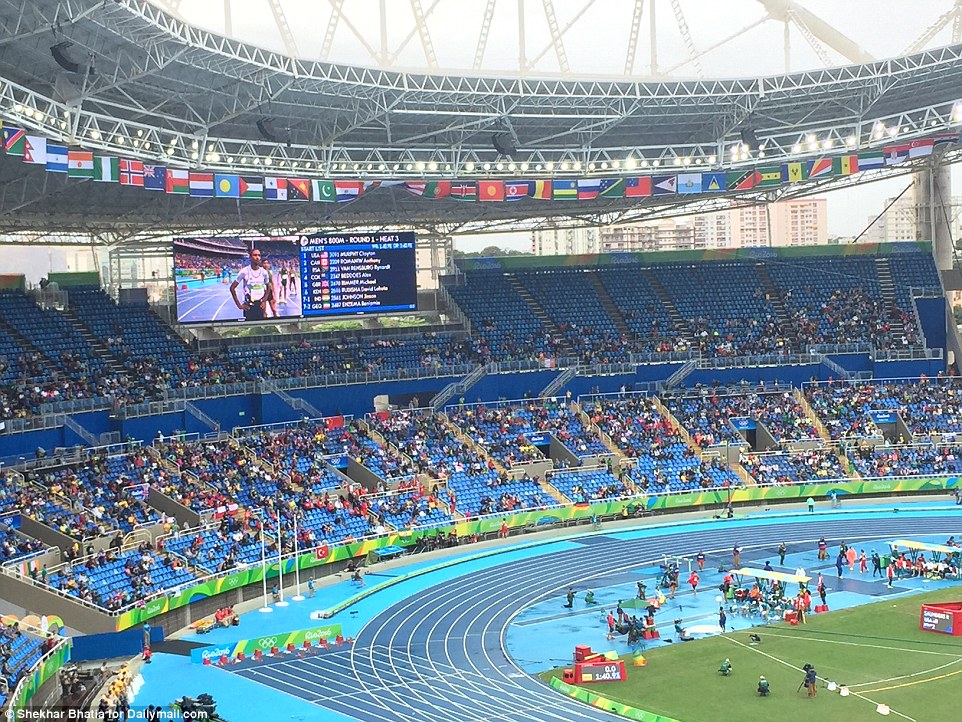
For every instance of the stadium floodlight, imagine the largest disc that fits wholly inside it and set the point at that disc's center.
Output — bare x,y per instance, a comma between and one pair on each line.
539,167
644,163
576,165
564,166
512,167
616,164
604,165
655,163
761,154
796,149
469,166
677,160
524,166
686,161
851,141
549,165
894,131
712,159
500,166
956,116
486,166
419,165
827,144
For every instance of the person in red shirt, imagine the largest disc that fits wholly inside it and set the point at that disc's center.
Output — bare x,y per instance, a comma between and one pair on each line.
693,580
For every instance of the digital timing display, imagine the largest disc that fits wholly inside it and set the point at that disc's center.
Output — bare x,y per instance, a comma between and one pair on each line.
356,274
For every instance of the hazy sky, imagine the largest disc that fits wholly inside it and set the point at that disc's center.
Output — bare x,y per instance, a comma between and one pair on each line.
849,212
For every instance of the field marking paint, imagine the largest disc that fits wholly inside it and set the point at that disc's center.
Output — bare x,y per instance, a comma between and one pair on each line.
799,669
918,681
869,646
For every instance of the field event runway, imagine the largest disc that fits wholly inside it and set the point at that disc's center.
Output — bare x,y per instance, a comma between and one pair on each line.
438,655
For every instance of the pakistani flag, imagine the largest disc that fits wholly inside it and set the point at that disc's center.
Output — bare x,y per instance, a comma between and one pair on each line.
106,169
323,191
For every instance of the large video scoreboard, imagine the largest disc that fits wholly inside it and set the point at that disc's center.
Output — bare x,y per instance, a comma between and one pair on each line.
310,275
352,274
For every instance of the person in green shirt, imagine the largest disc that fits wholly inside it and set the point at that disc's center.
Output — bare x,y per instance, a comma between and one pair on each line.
811,504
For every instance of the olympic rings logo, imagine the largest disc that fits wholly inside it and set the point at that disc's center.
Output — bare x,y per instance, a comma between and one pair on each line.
267,642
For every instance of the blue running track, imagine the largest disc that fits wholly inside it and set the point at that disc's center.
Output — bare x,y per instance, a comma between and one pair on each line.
439,655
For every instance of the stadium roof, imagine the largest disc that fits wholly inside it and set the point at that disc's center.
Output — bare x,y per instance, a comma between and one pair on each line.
132,78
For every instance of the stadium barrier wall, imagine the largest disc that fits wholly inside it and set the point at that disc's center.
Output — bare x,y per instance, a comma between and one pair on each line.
247,647
609,705
110,645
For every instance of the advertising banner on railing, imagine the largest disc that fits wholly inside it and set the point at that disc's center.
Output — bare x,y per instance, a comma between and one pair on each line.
610,705
801,491
247,647
533,519
33,681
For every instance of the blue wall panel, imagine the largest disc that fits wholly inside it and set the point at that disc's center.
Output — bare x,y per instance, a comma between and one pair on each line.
853,362
795,375
96,422
232,411
509,386
932,318
908,369
358,399
145,428
25,444
274,410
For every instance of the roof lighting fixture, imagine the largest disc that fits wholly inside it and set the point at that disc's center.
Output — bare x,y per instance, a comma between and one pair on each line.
677,160
419,165
469,166
686,161
577,165
630,163
851,141
564,165
549,165
432,166
500,166
712,159
644,163
524,166
486,166
827,144
796,149
512,167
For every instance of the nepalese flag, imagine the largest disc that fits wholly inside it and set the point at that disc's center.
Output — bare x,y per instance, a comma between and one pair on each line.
35,150
155,177
515,190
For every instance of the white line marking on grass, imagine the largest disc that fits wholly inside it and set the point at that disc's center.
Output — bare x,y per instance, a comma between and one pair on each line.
859,644
799,669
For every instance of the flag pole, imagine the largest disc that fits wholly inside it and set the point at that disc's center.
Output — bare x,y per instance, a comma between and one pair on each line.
280,559
298,597
266,607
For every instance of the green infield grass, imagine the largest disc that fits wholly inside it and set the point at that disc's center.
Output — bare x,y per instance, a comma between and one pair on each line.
876,650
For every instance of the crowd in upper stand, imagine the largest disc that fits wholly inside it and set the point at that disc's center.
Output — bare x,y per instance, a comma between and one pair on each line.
597,316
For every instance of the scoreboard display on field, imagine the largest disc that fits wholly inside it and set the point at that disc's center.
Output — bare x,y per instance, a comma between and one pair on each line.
358,273
309,275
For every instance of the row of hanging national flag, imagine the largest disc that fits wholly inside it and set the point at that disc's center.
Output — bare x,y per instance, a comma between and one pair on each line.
82,164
